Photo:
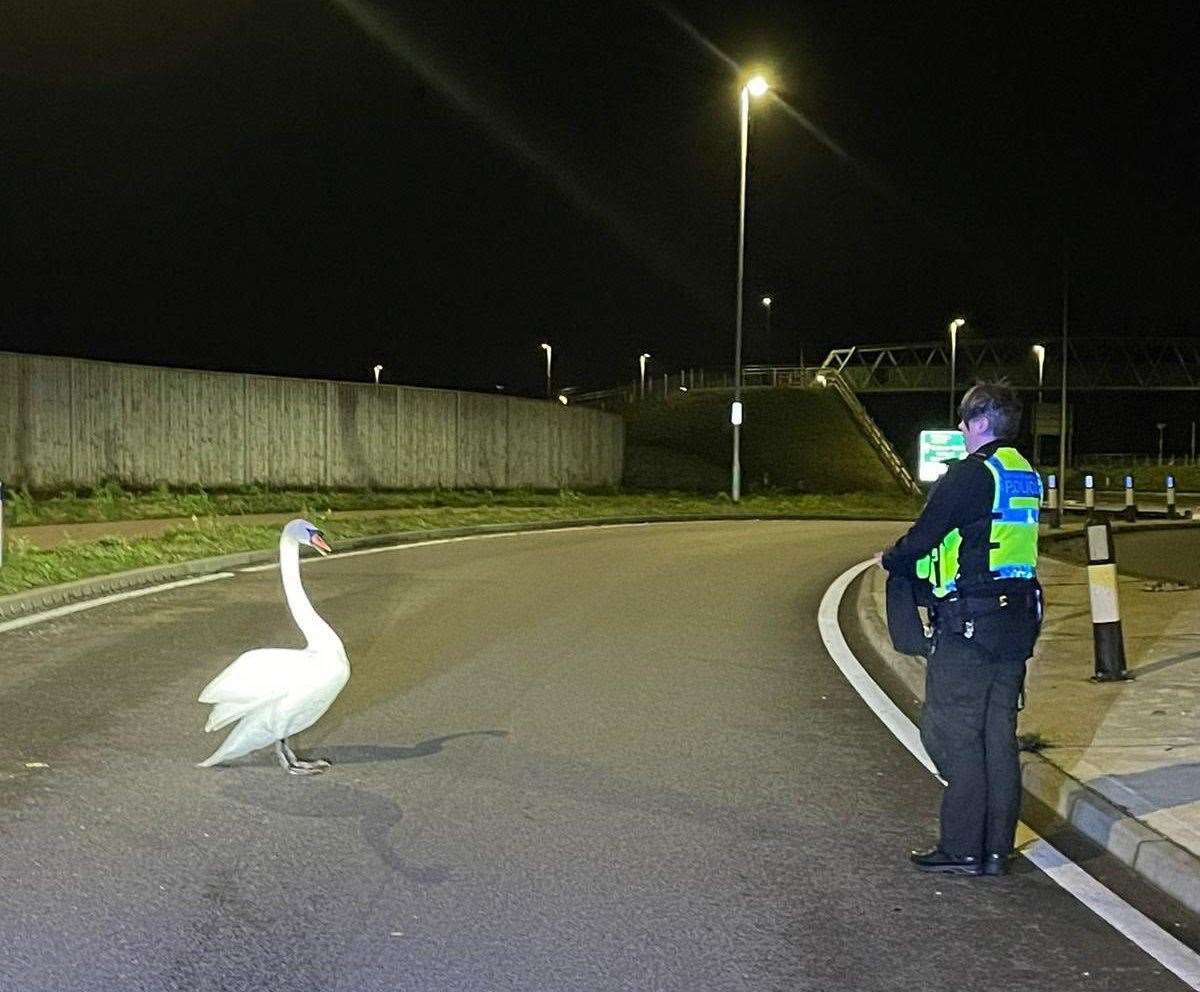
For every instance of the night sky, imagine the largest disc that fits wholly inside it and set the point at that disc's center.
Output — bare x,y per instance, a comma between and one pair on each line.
309,188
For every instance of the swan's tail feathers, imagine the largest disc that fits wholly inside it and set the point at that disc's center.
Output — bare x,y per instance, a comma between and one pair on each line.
249,735
223,714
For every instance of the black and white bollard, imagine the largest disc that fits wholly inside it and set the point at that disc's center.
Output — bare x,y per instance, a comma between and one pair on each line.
1106,606
1089,496
1130,512
1171,497
1052,498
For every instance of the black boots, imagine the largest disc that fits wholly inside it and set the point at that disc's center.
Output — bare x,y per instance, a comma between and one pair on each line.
949,864
956,864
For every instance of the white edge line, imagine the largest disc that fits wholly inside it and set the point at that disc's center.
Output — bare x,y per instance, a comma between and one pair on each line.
90,604
1173,955
467,537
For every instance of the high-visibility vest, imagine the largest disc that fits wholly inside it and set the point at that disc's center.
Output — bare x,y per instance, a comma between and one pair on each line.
1014,531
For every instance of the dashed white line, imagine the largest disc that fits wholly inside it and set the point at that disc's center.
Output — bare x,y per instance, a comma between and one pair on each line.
1115,911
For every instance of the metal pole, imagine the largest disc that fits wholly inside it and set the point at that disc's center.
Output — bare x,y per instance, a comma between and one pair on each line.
1193,442
953,363
1171,497
1,524
736,412
1160,441
1062,424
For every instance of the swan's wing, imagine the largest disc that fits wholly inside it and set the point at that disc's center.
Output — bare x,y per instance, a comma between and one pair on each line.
257,676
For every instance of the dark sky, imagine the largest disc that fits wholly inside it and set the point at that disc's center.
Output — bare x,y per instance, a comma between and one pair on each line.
313,187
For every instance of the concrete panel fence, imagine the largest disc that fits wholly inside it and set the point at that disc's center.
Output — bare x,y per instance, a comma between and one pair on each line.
73,422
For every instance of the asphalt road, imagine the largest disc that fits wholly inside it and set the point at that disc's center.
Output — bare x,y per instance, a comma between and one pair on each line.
605,759
1154,554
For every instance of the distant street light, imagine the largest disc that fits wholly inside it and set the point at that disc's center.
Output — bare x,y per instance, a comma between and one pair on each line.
377,370
1040,352
955,324
549,354
766,302
562,399
642,362
755,87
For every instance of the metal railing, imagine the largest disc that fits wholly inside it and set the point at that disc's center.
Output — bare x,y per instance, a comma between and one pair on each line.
867,425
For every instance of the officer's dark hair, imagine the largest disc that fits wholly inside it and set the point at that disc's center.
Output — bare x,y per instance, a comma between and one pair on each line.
998,402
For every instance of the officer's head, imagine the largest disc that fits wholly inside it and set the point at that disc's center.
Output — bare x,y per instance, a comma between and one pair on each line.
989,411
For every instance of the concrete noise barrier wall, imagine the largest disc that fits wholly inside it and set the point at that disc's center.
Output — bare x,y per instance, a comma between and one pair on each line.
67,422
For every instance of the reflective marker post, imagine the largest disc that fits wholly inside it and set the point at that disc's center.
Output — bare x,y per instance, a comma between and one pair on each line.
1130,512
1171,497
1089,496
1106,607
1052,499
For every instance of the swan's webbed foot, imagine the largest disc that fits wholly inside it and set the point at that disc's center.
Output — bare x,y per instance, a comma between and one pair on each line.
316,765
293,765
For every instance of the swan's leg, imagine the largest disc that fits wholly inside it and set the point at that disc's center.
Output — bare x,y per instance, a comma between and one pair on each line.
294,764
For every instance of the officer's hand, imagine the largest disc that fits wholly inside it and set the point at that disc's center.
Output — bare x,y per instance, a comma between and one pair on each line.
877,557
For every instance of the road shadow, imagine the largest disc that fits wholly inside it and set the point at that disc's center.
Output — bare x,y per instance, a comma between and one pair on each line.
1155,666
1153,789
320,799
356,754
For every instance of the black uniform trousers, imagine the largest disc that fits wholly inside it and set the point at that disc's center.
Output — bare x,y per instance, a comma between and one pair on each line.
969,727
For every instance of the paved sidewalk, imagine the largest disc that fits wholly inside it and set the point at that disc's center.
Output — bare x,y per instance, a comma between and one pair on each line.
1120,760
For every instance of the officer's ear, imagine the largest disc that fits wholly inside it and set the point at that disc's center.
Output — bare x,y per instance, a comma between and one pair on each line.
980,424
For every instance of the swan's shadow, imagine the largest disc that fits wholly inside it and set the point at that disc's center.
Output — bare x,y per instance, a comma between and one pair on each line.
355,754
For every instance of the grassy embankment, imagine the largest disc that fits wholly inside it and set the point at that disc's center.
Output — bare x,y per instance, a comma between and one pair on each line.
212,524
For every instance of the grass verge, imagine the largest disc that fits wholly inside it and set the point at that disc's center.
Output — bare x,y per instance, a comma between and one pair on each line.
26,567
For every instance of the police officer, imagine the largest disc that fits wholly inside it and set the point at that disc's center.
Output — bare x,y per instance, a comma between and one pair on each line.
975,544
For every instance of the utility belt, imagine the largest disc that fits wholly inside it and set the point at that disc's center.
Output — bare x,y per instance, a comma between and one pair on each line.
959,612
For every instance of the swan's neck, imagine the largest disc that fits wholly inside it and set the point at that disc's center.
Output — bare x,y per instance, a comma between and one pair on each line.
315,630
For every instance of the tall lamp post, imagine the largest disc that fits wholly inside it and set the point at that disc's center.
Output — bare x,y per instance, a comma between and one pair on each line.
642,363
766,302
1039,352
549,353
757,86
377,370
955,324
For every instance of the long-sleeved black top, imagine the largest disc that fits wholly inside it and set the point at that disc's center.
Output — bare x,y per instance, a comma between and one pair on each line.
961,499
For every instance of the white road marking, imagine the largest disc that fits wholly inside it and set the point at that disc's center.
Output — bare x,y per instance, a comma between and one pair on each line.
479,537
90,604
1115,911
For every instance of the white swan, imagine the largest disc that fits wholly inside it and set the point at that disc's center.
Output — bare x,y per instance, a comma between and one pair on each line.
277,692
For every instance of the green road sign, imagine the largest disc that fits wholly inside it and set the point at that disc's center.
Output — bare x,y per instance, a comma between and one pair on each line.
937,448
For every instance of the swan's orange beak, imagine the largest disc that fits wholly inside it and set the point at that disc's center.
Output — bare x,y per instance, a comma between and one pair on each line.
320,544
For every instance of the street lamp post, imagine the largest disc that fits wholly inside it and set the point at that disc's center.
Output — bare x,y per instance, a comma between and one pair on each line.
1160,427
377,370
549,354
766,302
955,324
1040,352
755,87
642,362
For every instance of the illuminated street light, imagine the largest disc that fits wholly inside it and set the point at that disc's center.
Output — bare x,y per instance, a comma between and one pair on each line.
1039,352
755,87
562,399
642,362
955,324
377,370
766,302
549,354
